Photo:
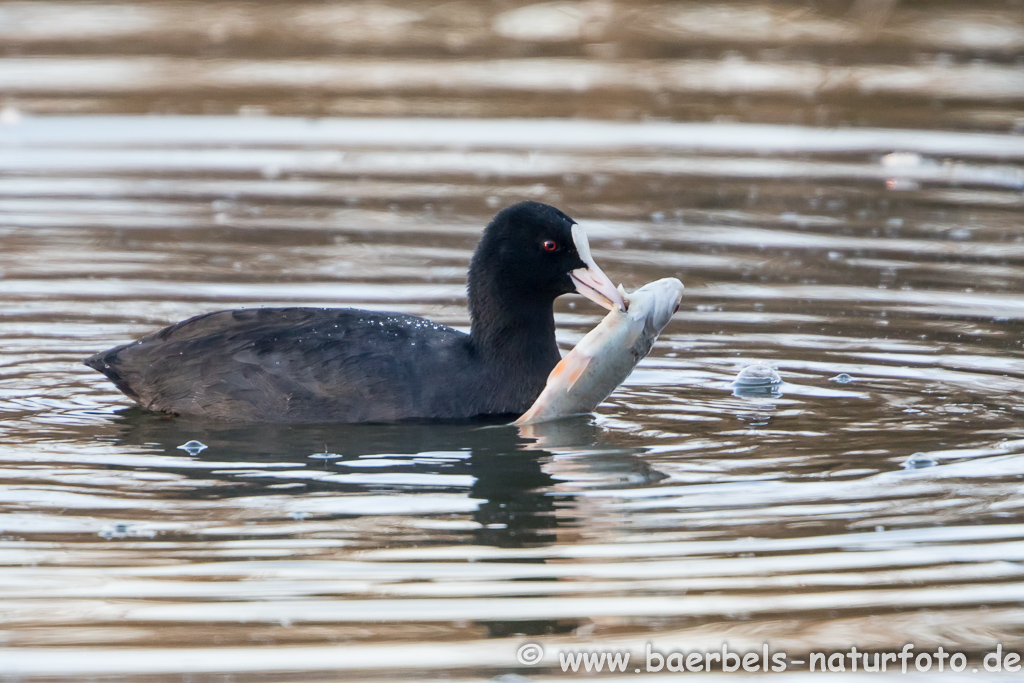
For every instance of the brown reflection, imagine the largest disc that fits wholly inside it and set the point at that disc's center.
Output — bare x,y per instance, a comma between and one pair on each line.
513,470
892,255
515,478
516,508
822,62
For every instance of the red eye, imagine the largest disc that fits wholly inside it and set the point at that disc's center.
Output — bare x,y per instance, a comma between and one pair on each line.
550,245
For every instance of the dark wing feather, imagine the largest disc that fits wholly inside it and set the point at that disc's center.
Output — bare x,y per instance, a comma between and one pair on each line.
297,365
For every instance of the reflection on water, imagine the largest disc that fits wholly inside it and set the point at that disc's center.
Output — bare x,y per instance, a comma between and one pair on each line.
822,63
870,498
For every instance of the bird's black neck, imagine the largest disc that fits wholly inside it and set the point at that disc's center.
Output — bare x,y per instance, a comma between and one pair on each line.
514,331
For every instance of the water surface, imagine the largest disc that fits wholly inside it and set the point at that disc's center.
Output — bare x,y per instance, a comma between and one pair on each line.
875,509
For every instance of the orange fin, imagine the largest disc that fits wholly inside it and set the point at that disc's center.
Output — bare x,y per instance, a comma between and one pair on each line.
574,365
528,415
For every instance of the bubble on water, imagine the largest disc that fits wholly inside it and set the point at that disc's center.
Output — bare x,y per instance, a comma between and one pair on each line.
842,378
757,379
919,461
758,374
326,455
193,447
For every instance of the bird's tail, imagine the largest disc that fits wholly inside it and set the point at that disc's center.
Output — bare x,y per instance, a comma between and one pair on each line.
104,362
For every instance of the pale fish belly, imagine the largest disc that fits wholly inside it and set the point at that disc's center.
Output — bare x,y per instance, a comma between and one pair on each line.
604,358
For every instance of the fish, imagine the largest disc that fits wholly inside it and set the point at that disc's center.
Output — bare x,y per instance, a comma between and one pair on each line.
604,358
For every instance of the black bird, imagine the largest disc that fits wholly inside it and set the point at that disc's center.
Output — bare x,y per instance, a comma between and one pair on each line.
350,365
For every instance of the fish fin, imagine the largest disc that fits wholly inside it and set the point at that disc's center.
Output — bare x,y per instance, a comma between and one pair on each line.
635,337
529,415
573,365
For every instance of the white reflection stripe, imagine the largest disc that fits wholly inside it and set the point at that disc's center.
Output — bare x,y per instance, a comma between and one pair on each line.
158,74
60,131
501,164
505,609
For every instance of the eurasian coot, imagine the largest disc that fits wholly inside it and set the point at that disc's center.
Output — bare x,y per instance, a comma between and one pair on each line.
350,365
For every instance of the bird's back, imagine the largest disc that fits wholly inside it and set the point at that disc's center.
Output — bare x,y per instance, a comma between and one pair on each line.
307,365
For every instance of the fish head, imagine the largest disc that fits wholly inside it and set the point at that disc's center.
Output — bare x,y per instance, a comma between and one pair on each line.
655,303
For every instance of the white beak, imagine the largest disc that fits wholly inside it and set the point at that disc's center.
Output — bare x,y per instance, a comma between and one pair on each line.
591,281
